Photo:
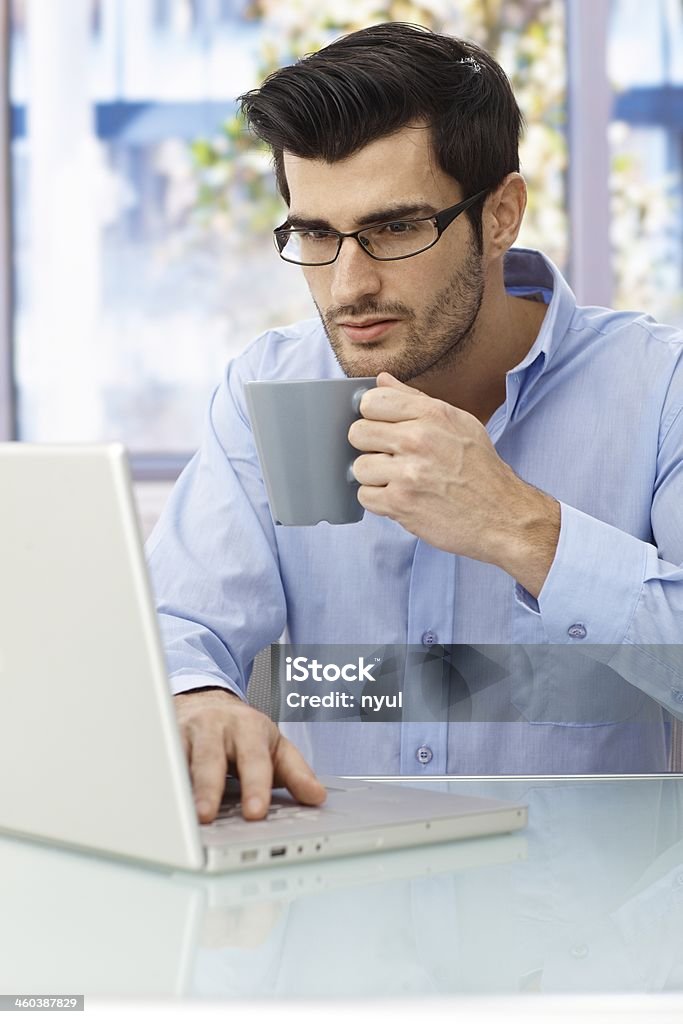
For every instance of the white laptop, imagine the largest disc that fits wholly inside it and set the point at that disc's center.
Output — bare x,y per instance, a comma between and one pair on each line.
90,755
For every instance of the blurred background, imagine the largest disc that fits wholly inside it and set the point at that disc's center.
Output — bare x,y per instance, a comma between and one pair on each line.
136,216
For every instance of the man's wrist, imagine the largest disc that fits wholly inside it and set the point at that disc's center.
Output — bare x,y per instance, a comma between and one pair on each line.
530,537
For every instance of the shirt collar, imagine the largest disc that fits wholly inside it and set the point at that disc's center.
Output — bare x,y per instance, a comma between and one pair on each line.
528,271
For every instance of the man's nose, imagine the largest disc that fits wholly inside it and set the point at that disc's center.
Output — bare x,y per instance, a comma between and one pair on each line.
354,274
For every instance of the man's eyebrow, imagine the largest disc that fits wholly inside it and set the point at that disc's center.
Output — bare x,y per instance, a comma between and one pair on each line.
391,212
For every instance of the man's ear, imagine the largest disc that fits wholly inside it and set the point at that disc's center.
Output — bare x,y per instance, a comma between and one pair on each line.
502,216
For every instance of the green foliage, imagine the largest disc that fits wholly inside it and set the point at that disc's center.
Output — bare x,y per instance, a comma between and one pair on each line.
234,178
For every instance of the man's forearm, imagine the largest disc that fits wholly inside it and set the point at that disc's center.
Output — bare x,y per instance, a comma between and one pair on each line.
529,540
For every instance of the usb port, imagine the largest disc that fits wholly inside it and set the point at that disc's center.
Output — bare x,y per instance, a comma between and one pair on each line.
278,851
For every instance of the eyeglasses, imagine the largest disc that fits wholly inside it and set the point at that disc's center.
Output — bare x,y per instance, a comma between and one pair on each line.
390,240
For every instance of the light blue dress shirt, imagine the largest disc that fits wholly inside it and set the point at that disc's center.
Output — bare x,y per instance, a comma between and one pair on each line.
593,415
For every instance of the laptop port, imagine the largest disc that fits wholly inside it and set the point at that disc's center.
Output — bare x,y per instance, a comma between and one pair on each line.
247,856
278,851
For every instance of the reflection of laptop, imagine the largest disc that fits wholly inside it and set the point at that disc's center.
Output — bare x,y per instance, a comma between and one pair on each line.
89,750
125,931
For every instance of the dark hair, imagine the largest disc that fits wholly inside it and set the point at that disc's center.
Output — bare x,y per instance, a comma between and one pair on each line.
371,83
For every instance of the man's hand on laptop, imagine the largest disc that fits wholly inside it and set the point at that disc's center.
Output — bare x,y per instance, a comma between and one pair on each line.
218,728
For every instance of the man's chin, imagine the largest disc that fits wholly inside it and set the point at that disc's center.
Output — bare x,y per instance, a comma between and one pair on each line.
372,360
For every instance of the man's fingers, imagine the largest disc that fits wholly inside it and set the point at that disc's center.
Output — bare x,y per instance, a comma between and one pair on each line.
392,401
208,767
375,470
217,729
292,770
376,436
261,766
386,379
255,769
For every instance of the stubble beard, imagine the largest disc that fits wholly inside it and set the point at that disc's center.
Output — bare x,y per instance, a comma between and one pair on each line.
434,339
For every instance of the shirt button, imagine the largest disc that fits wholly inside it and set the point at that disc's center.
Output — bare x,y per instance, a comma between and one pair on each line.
429,638
677,696
580,951
578,631
424,755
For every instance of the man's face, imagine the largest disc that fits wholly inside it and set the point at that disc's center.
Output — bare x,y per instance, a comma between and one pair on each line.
423,308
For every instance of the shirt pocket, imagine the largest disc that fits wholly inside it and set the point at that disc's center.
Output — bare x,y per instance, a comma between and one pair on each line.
557,684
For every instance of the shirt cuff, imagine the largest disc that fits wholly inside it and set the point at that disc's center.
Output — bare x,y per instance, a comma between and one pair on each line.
184,682
594,583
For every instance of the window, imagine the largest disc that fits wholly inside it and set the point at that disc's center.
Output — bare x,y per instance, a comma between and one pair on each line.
141,224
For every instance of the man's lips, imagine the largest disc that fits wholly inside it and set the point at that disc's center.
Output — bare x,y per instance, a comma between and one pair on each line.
368,331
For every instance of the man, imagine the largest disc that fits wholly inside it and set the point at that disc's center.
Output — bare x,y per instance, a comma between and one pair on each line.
522,465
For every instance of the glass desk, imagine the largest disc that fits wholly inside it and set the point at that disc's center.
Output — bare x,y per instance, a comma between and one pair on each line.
587,899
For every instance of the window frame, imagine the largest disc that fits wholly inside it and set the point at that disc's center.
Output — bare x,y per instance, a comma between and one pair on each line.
8,396
589,111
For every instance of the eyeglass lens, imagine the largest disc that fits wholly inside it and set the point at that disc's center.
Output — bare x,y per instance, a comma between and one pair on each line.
385,241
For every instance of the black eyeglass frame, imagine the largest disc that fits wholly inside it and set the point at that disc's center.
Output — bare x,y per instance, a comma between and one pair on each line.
442,220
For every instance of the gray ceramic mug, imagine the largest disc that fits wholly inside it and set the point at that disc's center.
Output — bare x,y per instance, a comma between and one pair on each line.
300,428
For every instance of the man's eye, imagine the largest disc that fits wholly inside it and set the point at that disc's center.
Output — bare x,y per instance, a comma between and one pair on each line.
314,236
398,227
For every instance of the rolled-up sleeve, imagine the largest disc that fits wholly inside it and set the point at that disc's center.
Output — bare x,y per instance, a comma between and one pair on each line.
213,559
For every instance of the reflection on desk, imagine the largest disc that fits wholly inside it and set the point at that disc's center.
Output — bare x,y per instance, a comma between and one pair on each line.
589,898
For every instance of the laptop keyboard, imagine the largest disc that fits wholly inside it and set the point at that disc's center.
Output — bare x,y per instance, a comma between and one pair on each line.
278,811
